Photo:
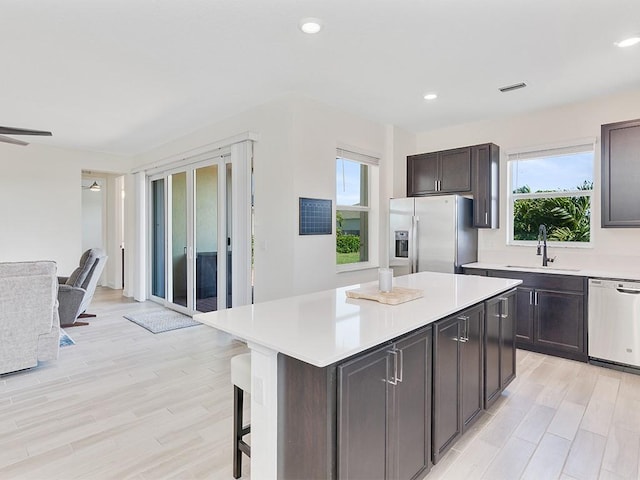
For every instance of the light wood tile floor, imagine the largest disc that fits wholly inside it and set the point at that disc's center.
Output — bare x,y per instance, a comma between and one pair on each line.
122,403
125,403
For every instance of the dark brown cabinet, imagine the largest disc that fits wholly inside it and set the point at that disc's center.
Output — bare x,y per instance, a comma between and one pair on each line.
524,306
621,174
384,411
468,170
500,345
448,171
458,376
551,313
559,320
485,169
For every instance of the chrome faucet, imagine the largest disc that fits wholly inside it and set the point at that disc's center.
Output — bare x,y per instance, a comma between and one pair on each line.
542,249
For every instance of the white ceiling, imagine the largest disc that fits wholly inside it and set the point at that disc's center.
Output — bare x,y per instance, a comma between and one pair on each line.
124,76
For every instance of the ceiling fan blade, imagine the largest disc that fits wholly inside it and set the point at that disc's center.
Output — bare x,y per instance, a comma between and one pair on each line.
12,140
22,131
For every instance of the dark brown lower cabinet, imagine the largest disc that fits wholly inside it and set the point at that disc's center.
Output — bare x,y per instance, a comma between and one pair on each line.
458,376
384,411
551,313
559,320
500,345
524,306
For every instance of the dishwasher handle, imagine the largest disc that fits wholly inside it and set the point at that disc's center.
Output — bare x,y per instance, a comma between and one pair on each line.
632,291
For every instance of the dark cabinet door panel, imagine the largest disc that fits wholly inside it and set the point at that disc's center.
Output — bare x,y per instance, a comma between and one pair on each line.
492,350
411,427
446,386
524,322
560,320
621,174
455,170
485,174
471,366
422,174
508,338
362,417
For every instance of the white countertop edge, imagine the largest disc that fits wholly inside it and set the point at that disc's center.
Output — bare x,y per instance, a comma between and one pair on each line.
331,359
325,360
585,272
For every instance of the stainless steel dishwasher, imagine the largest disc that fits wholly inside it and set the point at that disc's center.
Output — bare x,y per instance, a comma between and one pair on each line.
614,321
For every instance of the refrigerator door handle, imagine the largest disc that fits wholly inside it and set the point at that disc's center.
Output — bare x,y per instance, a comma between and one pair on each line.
414,244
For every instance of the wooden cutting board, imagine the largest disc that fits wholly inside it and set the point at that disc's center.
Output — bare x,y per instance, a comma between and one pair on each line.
394,297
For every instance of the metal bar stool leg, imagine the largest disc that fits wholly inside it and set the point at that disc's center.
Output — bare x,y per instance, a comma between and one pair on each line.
241,380
238,403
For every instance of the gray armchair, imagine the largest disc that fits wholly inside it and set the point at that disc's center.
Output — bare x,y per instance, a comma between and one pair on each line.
76,291
29,325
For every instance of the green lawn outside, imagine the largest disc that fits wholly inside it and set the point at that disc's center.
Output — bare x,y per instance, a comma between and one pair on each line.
342,258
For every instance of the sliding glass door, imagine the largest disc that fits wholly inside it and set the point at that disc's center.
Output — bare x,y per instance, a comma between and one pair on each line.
190,236
179,240
206,238
158,229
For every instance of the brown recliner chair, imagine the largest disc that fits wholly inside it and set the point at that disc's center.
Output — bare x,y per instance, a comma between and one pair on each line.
76,291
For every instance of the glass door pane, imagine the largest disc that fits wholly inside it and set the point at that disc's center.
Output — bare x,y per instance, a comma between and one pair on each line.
179,237
229,202
206,238
158,239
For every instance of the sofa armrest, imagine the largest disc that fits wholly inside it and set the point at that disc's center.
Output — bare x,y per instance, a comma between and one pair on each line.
70,299
62,280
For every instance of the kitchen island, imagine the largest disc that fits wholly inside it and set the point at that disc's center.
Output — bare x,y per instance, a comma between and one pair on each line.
298,345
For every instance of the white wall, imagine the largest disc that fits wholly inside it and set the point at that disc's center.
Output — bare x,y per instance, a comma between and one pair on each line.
294,157
613,249
316,132
40,202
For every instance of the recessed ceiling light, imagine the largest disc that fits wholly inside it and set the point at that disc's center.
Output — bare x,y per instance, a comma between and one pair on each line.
310,25
627,42
431,96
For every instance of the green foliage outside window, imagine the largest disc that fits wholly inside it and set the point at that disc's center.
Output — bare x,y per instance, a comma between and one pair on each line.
568,219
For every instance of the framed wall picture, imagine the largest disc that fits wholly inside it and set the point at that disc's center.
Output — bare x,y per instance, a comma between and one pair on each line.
315,216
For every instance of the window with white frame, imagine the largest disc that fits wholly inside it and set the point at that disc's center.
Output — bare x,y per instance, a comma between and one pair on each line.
356,201
552,187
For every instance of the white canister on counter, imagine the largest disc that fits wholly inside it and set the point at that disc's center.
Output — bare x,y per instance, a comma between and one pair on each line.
385,279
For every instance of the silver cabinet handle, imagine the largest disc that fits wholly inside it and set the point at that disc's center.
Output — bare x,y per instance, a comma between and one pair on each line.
466,329
505,308
535,297
486,217
435,185
395,367
465,336
531,297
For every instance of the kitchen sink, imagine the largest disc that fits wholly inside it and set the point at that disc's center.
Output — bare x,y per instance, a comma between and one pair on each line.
543,268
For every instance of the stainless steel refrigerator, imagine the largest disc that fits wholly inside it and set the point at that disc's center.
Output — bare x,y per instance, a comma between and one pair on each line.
431,234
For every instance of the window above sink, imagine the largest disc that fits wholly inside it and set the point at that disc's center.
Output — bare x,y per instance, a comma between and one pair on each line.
552,187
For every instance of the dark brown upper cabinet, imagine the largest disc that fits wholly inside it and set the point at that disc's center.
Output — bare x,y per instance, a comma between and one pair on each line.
448,171
467,170
485,172
621,174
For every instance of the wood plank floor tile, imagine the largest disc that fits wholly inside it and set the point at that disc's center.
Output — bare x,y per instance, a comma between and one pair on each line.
548,459
511,461
585,456
622,453
567,419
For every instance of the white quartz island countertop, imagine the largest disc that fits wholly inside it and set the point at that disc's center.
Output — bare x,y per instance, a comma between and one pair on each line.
325,327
